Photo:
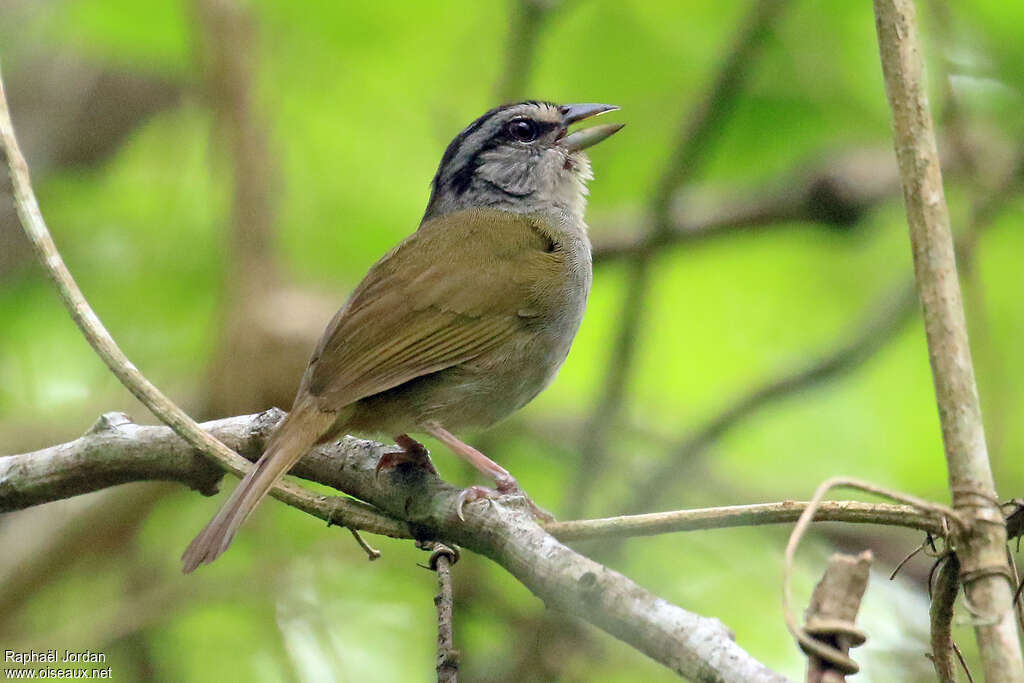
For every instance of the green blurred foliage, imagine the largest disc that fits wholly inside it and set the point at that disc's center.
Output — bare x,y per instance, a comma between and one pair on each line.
361,99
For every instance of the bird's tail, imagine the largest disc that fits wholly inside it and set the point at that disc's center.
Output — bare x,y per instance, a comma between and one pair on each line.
299,432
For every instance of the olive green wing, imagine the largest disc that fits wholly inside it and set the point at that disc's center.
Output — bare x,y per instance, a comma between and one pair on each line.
450,292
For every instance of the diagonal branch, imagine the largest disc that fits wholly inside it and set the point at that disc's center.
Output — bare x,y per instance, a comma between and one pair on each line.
691,645
888,316
422,506
698,132
835,193
118,451
894,311
103,343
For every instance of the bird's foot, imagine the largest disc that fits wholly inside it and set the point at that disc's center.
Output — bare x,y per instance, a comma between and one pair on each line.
509,487
411,453
472,494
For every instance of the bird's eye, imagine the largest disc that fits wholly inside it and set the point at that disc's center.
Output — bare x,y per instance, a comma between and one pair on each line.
523,130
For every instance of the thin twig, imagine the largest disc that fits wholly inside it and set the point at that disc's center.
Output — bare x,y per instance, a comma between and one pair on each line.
981,549
943,592
1017,605
801,636
887,317
835,194
885,320
707,120
963,662
758,514
423,507
129,452
103,343
911,555
371,552
441,561
699,131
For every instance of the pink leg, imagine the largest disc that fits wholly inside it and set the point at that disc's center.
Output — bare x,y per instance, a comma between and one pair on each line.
506,483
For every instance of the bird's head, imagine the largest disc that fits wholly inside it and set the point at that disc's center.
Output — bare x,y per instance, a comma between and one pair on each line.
522,158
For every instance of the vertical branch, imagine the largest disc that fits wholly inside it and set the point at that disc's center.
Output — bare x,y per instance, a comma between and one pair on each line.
701,129
697,134
888,317
253,365
944,590
227,56
981,547
441,561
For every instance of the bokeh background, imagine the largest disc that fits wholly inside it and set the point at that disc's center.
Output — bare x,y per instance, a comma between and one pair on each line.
219,174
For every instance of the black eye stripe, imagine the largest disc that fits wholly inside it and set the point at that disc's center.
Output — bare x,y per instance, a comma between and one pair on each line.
457,169
463,177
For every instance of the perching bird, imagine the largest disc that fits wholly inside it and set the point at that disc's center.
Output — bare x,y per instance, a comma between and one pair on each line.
461,324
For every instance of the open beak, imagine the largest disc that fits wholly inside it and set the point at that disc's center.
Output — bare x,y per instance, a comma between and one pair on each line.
588,137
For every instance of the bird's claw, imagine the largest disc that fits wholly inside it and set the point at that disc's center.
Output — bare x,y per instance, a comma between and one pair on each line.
471,495
475,493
